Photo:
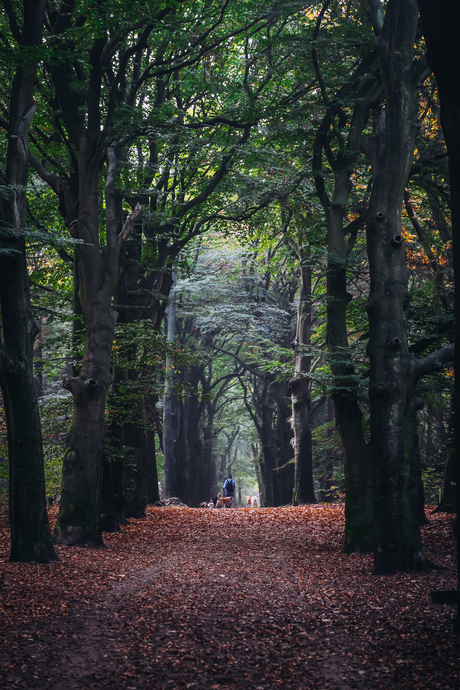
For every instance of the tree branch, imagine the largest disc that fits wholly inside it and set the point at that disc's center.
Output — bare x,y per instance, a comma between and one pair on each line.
130,220
14,26
246,367
66,206
434,362
218,175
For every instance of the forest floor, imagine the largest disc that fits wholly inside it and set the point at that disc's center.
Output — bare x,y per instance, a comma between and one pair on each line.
242,598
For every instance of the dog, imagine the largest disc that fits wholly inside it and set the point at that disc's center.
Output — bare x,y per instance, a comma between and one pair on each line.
211,504
248,501
254,500
202,505
224,502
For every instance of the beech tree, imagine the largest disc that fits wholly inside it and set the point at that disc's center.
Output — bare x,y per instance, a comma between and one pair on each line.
335,156
30,533
94,94
393,372
439,23
300,384
96,261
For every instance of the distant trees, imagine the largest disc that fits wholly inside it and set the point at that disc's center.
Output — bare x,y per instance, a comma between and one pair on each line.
235,317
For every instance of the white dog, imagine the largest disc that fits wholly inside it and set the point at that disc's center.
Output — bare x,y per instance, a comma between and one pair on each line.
254,500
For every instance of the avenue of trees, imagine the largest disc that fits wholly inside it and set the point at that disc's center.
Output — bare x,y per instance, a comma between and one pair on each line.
228,243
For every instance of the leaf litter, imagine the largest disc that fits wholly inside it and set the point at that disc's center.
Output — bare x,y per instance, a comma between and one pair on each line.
260,598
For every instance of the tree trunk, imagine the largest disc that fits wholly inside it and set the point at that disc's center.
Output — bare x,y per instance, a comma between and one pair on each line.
197,475
80,508
168,424
440,26
285,453
268,460
223,470
448,500
304,491
134,447
30,532
206,472
153,494
357,465
109,513
366,92
257,466
79,520
397,535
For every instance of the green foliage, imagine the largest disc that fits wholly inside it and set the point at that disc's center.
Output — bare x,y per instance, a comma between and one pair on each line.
328,466
215,107
433,481
55,414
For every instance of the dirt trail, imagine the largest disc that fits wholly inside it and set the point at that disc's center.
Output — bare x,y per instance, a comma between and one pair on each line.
229,599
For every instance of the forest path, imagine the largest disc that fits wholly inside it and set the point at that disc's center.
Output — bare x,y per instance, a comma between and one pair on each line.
192,598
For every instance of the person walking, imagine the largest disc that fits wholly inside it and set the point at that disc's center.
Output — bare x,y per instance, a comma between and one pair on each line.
229,488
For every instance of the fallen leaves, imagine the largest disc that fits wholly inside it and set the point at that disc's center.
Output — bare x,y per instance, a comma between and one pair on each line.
225,598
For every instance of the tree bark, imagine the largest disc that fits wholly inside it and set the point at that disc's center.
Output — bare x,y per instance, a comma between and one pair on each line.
300,385
366,90
357,462
30,532
153,494
284,451
190,465
267,440
168,425
79,520
397,535
206,473
440,21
